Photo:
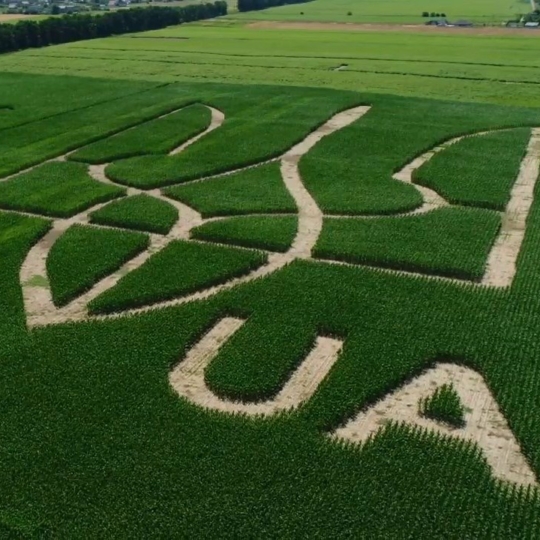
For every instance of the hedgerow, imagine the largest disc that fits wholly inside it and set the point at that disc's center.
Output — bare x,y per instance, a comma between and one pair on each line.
179,269
256,190
54,30
158,136
251,5
452,242
477,171
444,405
57,189
273,233
242,140
84,255
138,212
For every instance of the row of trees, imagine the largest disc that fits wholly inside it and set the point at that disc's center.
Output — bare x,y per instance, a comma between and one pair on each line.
251,5
432,14
54,30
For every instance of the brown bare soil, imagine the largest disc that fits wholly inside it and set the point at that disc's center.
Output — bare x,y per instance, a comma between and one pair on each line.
411,28
7,17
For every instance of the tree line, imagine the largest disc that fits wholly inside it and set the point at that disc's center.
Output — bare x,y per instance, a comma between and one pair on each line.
251,5
54,30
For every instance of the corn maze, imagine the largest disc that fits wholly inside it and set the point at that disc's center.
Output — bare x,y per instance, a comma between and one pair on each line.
321,281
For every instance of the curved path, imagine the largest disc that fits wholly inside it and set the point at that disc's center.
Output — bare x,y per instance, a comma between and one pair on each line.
310,220
187,378
500,268
485,424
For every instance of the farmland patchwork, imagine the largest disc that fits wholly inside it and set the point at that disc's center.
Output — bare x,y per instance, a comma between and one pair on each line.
349,279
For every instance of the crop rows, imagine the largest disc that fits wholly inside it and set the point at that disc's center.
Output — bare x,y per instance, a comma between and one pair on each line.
443,405
362,158
179,269
256,190
98,395
55,189
273,233
33,141
452,242
248,141
158,136
83,255
477,171
138,212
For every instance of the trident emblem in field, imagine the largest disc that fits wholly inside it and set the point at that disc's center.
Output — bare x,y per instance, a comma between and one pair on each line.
487,428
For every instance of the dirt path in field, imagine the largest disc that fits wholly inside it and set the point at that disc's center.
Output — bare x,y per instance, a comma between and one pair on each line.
501,264
187,378
485,425
217,120
310,220
500,268
394,28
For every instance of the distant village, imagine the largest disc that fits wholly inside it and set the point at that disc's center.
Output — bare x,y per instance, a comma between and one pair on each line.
58,7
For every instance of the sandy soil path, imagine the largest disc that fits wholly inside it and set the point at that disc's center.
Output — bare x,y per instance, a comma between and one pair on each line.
485,424
394,28
501,264
310,220
187,378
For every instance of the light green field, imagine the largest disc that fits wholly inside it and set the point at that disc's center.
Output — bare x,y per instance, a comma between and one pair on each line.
392,11
494,69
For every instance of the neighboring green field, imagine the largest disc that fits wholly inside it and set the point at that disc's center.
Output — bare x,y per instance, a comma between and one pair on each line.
391,11
95,440
502,69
